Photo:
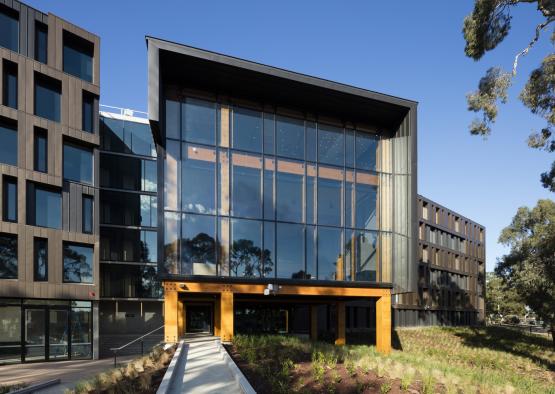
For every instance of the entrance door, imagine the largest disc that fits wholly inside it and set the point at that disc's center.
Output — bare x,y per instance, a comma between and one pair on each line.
46,333
58,340
199,319
35,334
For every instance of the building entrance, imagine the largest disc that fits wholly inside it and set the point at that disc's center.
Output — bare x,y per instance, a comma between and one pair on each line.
199,319
45,333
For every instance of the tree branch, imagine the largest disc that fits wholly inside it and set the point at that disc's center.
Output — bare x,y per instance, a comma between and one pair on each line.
539,28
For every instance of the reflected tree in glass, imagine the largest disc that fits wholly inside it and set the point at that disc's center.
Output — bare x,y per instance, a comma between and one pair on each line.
248,260
8,257
200,249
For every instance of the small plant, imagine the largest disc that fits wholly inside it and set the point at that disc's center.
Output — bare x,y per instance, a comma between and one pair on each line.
406,381
385,388
318,366
428,384
350,367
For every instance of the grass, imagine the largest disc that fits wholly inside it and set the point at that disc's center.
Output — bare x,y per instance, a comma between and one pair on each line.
138,376
4,389
430,360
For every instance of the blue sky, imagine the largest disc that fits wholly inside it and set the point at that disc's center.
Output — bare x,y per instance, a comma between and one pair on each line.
411,49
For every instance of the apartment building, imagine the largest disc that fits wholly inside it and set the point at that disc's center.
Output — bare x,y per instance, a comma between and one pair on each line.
49,232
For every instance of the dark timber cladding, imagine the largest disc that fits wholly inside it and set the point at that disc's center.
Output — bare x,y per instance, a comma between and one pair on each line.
49,266
451,263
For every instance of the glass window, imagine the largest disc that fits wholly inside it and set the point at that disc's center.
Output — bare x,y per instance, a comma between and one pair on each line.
172,224
41,150
311,193
150,177
88,204
330,145
117,135
10,199
311,144
78,164
311,253
8,142
290,251
349,148
81,330
269,133
8,256
78,263
269,252
246,188
129,245
10,334
289,193
246,248
366,255
290,137
41,259
366,190
330,254
148,211
366,146
223,182
198,245
149,246
199,121
173,119
9,28
125,281
10,83
198,182
48,92
268,194
41,42
247,129
330,181
138,138
88,112
48,208
78,56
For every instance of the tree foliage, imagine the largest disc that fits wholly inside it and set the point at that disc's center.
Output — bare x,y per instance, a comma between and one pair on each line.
529,267
502,300
486,27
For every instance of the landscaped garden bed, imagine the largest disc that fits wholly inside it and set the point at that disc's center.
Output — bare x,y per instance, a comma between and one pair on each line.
142,375
432,360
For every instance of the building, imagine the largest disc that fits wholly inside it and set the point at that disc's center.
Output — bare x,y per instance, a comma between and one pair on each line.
451,264
273,182
130,295
49,232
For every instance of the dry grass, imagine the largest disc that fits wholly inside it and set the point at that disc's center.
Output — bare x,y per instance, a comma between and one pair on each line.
135,377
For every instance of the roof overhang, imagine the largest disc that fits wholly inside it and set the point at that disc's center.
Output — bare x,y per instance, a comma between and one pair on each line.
172,63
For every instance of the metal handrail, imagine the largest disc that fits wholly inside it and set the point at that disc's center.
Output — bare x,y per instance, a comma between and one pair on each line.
117,349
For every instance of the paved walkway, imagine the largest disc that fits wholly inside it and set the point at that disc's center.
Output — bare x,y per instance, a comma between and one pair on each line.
69,372
204,369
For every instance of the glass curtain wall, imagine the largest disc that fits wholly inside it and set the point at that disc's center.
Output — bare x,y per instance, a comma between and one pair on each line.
255,194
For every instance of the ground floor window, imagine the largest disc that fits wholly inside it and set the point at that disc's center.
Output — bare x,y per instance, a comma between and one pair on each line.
44,330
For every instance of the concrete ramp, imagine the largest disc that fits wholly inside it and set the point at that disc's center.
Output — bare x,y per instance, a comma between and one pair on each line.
202,369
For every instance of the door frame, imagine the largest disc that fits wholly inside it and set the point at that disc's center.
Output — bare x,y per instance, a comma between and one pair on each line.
46,310
186,311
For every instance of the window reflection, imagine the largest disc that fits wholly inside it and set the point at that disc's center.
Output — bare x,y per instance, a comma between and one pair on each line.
78,164
247,129
198,179
198,245
289,193
9,29
48,208
245,256
366,191
78,263
290,251
199,121
290,137
330,145
246,188
330,181
8,256
366,146
365,255
330,254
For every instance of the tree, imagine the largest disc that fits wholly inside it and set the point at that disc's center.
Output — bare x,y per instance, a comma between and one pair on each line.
486,27
529,267
502,300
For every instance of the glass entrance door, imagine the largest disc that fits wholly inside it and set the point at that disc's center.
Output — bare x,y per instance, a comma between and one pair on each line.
199,319
35,334
58,344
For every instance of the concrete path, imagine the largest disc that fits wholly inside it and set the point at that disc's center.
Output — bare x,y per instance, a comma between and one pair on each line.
204,369
69,372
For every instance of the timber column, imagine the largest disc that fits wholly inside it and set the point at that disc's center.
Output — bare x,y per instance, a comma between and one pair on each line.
383,323
171,321
226,314
340,339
